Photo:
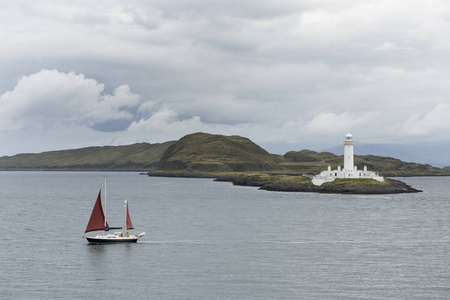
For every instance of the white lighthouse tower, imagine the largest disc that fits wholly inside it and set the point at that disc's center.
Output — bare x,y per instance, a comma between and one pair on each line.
349,165
349,171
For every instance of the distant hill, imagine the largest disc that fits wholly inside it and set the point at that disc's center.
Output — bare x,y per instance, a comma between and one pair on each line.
142,157
435,155
202,152
313,162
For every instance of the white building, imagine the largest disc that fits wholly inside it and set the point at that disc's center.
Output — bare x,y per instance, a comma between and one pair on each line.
349,171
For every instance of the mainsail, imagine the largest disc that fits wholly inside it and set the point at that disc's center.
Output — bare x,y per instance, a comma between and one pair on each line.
97,220
129,225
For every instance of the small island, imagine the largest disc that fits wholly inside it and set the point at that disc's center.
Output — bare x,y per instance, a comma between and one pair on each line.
281,183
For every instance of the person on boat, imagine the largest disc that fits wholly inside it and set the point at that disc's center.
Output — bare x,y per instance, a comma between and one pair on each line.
128,234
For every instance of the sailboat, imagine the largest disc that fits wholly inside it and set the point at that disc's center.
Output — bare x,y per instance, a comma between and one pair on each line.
98,222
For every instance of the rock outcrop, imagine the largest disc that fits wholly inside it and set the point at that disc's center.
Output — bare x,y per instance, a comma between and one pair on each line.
391,186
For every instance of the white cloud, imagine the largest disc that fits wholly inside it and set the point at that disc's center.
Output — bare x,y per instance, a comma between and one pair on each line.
163,123
110,107
435,122
50,98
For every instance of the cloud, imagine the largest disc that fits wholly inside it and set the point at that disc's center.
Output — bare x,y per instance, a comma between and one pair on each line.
50,98
435,122
224,109
162,126
114,107
274,71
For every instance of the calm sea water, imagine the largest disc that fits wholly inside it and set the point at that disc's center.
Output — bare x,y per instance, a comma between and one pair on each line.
212,240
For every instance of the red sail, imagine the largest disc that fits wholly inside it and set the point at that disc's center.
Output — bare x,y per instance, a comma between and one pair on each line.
129,224
97,220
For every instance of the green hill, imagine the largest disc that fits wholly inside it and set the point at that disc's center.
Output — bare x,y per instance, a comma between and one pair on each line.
142,157
202,152
313,162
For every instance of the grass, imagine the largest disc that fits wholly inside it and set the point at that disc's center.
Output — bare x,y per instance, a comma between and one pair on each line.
137,156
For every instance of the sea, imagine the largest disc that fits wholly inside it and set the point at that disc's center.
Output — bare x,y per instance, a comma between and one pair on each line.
212,240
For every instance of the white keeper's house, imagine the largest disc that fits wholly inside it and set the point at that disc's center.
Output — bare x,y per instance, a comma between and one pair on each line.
349,170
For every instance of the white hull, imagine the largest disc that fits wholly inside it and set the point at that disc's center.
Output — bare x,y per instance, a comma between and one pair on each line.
113,238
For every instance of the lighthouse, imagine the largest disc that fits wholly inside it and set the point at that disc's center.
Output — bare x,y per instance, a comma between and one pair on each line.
348,153
349,171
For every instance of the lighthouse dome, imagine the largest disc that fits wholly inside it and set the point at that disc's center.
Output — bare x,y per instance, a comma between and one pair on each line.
348,136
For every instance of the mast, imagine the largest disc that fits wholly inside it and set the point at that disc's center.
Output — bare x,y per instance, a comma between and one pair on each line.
106,227
105,204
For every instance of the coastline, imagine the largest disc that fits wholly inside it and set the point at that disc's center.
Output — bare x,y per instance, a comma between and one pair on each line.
290,183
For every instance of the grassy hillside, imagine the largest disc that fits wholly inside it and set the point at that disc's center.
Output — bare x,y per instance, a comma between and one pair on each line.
202,152
141,156
313,162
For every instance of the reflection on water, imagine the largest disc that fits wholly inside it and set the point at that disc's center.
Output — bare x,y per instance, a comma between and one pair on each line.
96,249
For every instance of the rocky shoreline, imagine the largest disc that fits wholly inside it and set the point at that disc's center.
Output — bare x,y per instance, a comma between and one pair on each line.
391,186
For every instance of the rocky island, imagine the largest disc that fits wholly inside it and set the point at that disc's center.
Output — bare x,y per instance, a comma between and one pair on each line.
339,186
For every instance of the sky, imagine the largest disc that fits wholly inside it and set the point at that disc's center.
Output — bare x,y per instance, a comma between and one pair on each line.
286,74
